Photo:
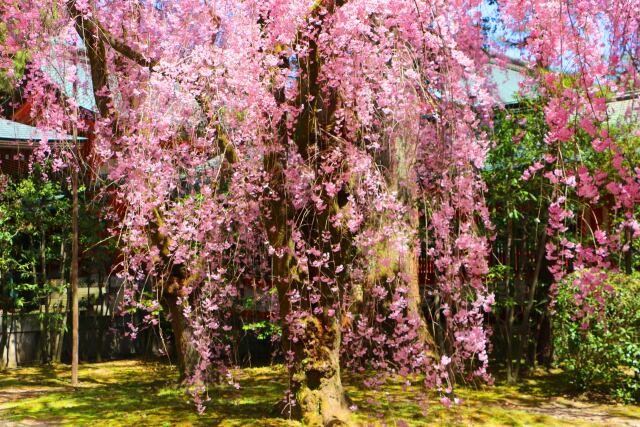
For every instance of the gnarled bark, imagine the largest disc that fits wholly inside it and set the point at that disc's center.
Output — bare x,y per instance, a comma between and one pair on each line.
315,378
314,371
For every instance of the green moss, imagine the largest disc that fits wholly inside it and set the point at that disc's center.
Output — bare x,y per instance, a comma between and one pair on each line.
125,393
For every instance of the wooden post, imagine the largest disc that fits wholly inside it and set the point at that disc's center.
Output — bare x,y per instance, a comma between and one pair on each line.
74,265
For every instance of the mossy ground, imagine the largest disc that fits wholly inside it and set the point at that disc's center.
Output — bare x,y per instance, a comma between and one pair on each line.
129,393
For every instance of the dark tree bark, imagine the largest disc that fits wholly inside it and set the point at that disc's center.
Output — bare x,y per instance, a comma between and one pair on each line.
525,329
510,310
628,256
4,338
181,335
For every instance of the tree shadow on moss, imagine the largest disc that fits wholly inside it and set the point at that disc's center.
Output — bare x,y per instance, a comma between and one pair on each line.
123,394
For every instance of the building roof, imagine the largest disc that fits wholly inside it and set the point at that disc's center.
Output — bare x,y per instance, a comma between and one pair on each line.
60,70
82,92
13,132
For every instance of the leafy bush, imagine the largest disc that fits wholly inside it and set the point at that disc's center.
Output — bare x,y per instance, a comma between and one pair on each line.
601,350
263,329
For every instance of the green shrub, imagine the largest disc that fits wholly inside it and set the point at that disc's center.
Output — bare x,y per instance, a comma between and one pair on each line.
602,353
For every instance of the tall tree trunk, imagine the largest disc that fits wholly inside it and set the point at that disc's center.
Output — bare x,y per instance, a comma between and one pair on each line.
4,338
63,309
98,317
531,299
399,161
510,315
45,337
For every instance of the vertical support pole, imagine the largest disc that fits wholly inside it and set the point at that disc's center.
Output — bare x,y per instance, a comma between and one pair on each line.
74,264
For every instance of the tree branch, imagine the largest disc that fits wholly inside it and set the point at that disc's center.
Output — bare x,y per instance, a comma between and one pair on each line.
97,30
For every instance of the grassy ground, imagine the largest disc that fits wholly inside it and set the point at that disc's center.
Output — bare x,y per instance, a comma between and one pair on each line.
126,393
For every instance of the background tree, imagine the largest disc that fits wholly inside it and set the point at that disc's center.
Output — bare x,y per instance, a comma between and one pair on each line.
34,230
519,204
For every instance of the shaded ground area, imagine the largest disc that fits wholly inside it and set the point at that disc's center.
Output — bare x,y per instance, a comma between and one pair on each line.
126,393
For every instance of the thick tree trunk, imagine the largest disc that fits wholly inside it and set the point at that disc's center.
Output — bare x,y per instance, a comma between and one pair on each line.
398,160
185,357
408,265
314,367
315,376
